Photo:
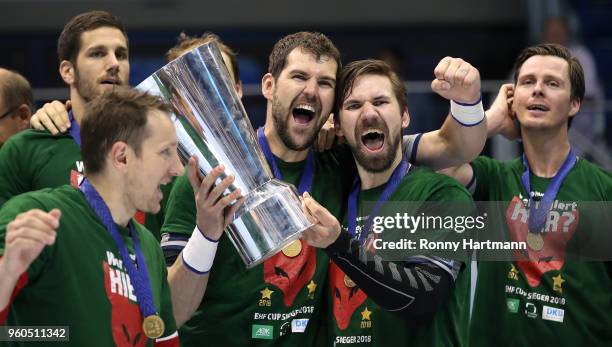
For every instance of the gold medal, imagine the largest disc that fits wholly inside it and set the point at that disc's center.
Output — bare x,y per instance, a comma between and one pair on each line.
535,241
293,249
348,282
153,326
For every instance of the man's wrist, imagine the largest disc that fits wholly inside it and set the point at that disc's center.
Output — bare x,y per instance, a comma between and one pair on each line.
468,114
199,253
5,273
209,238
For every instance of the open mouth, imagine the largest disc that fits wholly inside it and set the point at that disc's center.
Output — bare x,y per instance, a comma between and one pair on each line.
303,113
110,81
538,107
373,140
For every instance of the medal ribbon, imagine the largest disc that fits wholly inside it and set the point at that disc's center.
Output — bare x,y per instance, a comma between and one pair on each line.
390,187
138,276
537,215
308,173
75,130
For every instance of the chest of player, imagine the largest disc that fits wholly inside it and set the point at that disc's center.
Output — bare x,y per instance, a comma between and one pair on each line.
82,282
357,319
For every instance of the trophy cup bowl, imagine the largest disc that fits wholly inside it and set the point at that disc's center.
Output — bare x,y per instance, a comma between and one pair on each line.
211,124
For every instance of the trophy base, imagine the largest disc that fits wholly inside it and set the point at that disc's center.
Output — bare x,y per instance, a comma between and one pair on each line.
269,219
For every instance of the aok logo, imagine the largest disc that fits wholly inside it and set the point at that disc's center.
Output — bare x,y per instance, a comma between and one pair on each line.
262,332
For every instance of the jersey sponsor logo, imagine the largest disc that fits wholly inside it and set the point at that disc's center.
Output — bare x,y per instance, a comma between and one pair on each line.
284,328
126,320
265,332
531,310
553,314
299,325
291,274
559,229
513,305
345,299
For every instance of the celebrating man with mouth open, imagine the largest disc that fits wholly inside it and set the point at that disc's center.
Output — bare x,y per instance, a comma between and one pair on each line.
429,292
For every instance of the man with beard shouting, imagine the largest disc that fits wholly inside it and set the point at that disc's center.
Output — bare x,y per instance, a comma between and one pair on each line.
368,290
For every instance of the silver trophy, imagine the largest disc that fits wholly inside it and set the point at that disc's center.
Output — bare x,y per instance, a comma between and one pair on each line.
211,123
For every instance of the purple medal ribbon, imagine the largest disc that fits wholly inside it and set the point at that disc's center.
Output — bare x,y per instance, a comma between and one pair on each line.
537,215
75,130
307,174
139,276
390,187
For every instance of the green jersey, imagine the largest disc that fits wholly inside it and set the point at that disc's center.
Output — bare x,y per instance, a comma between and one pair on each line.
355,319
80,281
277,303
33,160
543,303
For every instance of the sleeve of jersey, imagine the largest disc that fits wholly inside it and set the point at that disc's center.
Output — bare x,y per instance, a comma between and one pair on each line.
180,219
11,182
8,212
410,145
484,172
170,337
413,289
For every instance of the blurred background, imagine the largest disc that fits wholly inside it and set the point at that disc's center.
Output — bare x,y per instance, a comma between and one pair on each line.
411,35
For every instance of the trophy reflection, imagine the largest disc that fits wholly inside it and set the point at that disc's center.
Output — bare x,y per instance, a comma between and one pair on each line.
211,124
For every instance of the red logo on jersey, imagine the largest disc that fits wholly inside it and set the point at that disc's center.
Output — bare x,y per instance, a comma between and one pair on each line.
140,217
345,299
559,229
76,178
126,321
290,275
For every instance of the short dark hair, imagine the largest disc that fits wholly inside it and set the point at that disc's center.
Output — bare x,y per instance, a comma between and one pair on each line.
359,68
121,115
69,42
310,42
574,68
15,89
186,42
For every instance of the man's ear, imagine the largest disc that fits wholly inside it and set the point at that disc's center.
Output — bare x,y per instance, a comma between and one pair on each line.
405,119
267,86
574,107
239,89
24,113
66,70
119,155
337,126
